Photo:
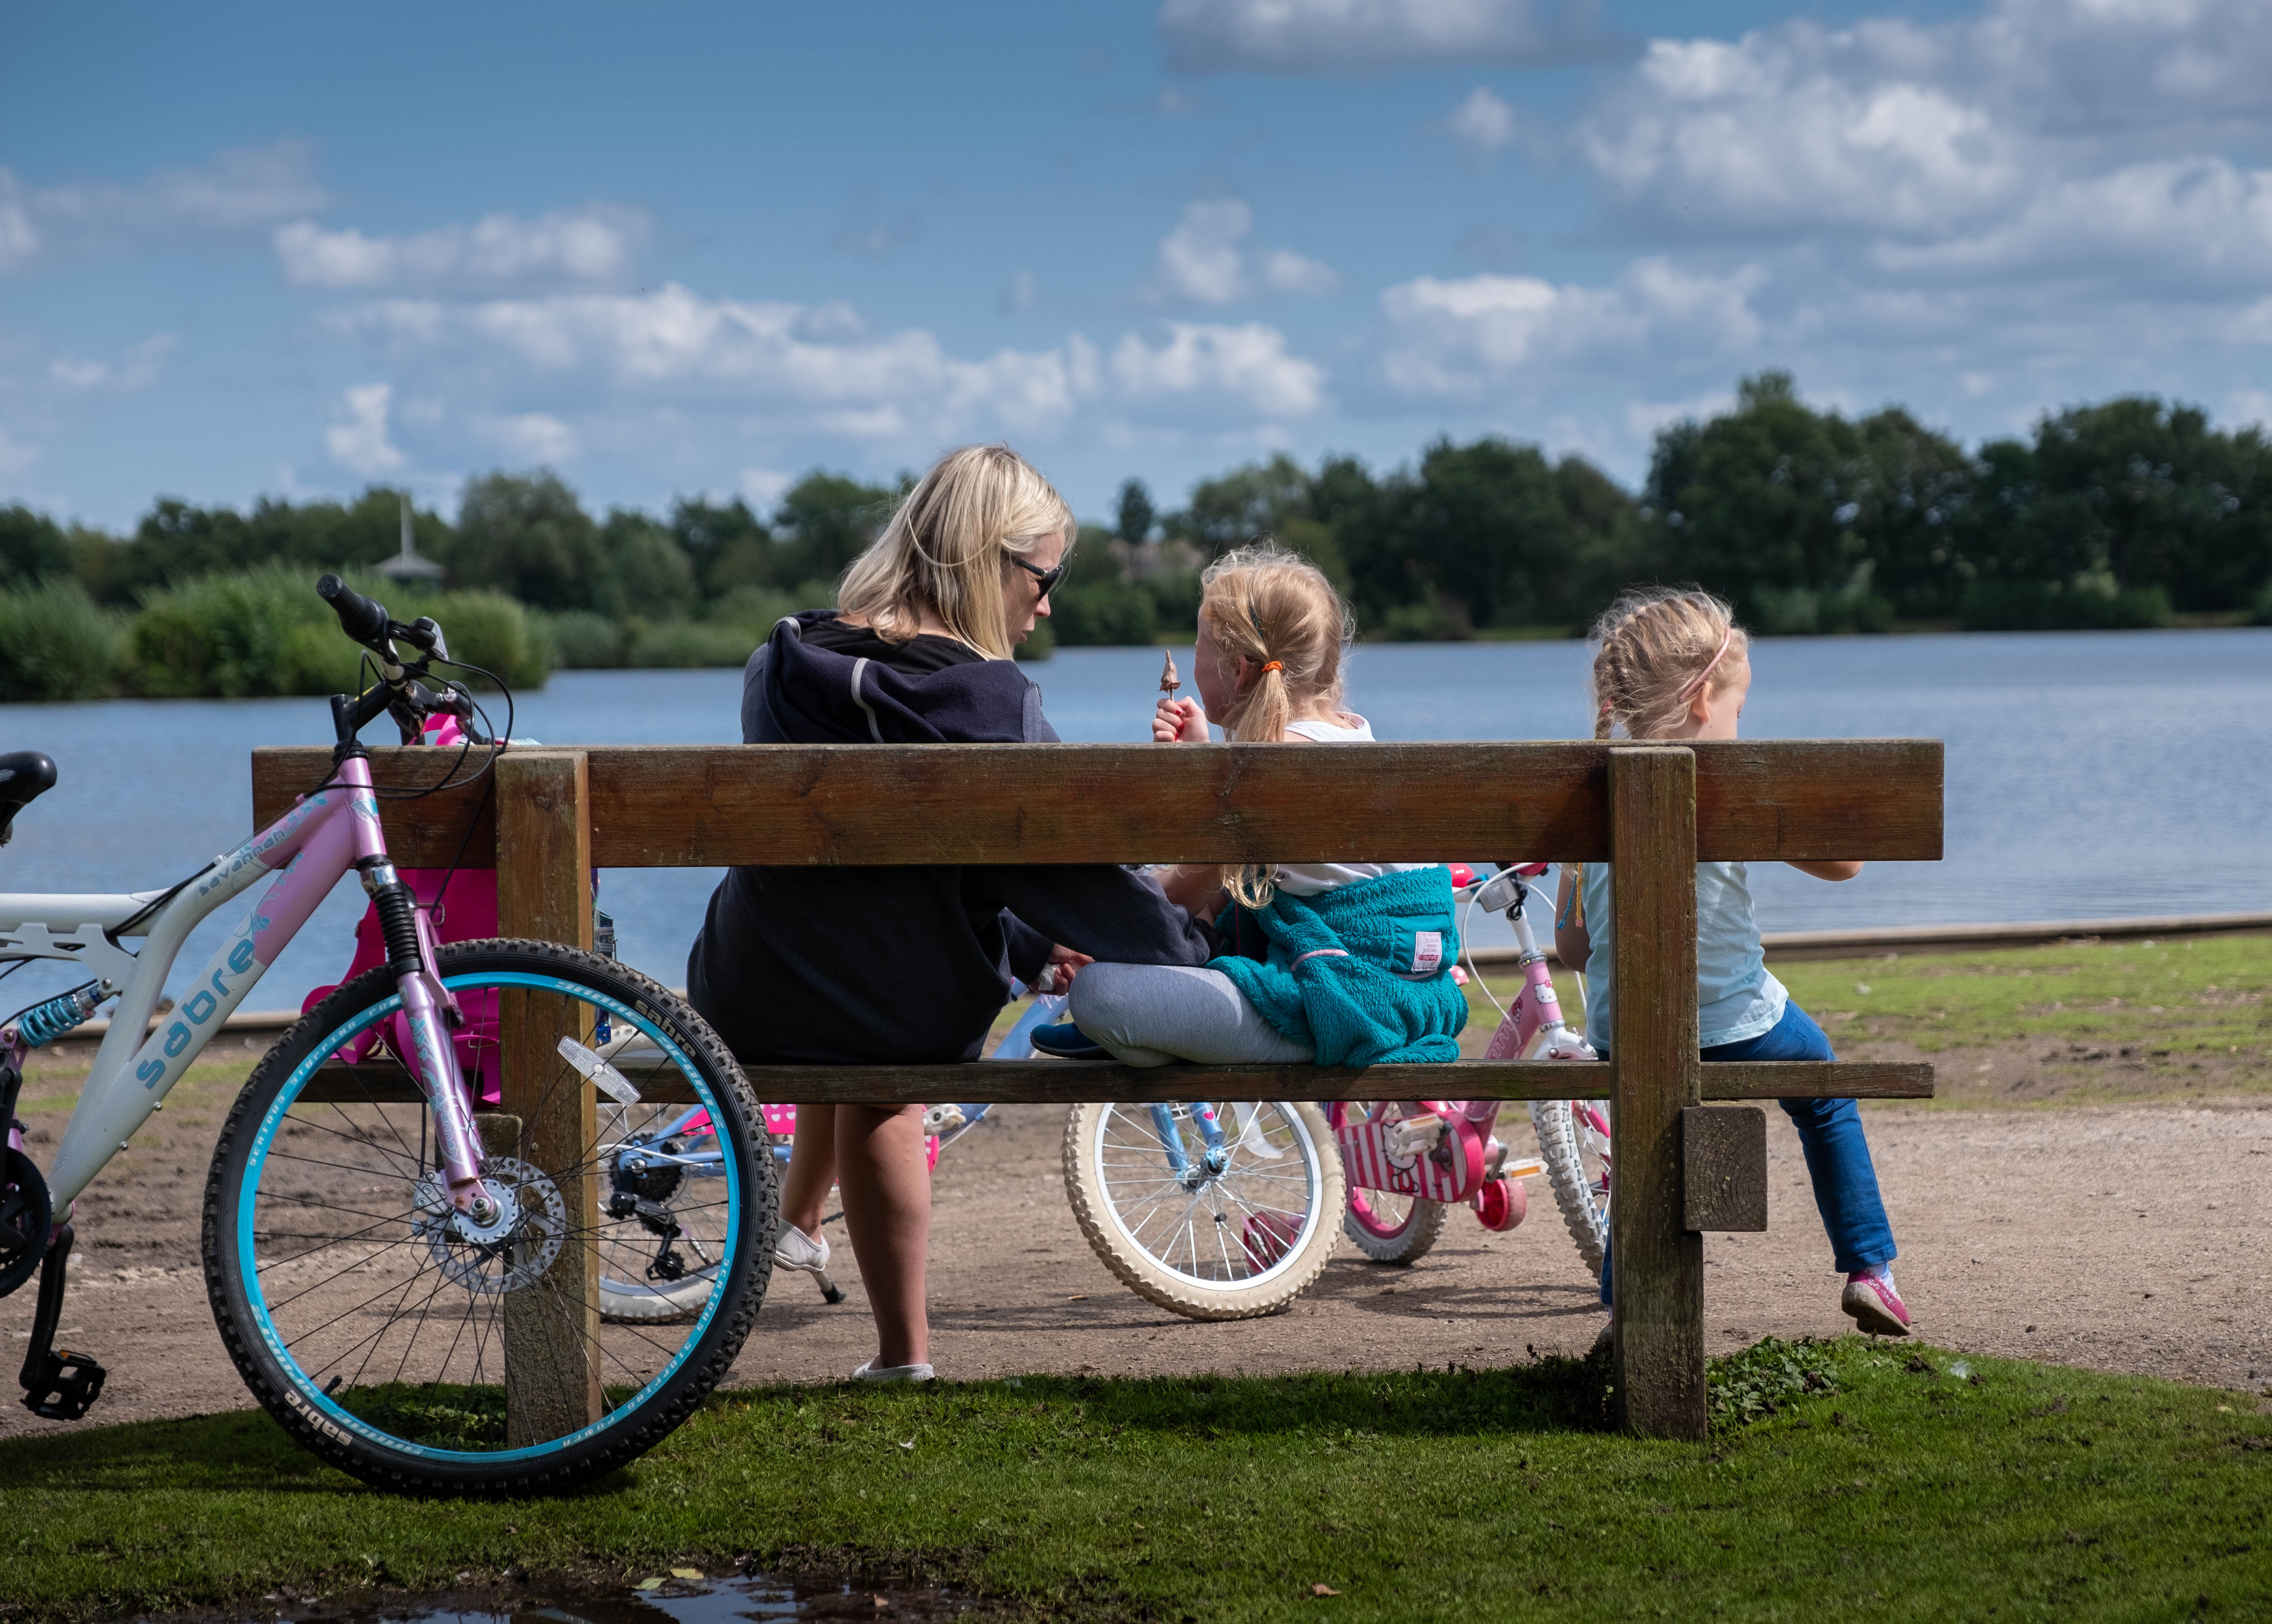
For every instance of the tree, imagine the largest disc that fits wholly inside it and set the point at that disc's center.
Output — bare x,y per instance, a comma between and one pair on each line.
1135,513
645,572
827,520
525,535
727,545
33,547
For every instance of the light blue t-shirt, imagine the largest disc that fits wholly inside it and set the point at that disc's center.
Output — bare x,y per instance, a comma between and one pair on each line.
1736,997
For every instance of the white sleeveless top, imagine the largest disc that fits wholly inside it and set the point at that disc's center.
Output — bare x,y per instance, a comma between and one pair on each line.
1310,879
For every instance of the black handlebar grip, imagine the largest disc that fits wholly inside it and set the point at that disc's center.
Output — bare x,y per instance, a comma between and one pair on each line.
359,618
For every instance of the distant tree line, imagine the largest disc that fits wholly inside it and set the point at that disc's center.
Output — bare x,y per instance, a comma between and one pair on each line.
2125,513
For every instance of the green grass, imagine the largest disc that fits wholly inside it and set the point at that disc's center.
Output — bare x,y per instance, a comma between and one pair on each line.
1877,1482
2099,1021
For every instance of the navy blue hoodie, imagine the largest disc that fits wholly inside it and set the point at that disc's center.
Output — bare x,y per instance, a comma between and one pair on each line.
859,966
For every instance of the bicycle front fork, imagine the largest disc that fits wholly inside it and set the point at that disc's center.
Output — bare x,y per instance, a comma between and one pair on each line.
431,1014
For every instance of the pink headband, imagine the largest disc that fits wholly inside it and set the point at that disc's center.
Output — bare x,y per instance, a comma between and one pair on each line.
1697,682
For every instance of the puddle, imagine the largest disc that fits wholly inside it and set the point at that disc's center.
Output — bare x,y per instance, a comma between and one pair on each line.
730,1599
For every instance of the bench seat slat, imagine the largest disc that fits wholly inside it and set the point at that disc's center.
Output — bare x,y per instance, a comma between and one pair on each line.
1072,1082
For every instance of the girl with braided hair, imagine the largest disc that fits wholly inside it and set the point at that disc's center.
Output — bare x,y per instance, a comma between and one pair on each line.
1345,964
1674,665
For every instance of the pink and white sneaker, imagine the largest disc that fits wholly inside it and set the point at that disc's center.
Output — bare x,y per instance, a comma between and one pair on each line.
1875,1306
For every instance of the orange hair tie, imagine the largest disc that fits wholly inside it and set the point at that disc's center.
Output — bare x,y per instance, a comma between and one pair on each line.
1273,665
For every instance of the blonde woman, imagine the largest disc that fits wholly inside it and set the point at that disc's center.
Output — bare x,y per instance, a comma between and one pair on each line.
853,966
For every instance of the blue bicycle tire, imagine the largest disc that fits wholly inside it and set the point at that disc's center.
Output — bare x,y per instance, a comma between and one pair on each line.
296,1224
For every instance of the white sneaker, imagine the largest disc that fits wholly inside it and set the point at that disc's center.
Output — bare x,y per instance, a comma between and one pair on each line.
796,1250
894,1373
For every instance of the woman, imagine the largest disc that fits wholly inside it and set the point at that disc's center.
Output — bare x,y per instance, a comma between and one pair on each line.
854,966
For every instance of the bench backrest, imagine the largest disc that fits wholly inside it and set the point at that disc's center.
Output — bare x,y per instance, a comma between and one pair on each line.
713,805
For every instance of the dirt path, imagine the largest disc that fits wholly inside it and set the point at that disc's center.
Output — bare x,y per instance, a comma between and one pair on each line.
2117,1237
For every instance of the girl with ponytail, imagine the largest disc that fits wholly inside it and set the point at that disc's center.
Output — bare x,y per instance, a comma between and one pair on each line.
1345,964
1674,665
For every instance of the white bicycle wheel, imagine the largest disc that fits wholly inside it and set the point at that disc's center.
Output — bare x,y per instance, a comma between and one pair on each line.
662,1224
1215,1228
1574,1139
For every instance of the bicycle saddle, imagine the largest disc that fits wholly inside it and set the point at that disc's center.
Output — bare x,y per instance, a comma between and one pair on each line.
25,776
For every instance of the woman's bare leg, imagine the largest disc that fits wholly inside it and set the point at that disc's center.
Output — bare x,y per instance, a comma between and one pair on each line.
812,1169
881,1166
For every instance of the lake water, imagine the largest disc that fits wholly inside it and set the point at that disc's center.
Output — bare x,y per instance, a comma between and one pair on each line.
2089,774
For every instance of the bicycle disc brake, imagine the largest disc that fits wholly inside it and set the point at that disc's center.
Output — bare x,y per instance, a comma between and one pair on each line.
516,1259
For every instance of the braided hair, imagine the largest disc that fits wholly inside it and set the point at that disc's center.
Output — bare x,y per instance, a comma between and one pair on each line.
1654,649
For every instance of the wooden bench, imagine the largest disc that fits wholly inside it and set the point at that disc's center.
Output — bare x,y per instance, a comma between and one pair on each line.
1656,810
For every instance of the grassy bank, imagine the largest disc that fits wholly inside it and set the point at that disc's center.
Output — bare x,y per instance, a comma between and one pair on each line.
1905,1484
2079,1023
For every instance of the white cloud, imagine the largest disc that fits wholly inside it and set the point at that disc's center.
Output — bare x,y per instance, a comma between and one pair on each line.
761,488
597,244
1924,133
15,457
2202,224
1249,363
1453,337
1201,259
238,191
536,435
136,367
1482,124
1318,36
358,440
677,346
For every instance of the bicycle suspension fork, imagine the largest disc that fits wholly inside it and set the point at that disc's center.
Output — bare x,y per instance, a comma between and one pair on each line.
428,1010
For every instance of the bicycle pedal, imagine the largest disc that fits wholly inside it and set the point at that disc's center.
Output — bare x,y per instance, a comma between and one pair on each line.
1412,1136
67,1386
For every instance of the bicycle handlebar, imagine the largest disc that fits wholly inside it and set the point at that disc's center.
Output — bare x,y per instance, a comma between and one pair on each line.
362,619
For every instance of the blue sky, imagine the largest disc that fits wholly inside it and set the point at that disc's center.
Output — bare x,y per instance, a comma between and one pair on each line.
674,248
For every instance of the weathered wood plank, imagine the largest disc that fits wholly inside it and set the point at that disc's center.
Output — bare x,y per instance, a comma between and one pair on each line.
1068,1083
551,1328
1723,1168
706,806
1657,1312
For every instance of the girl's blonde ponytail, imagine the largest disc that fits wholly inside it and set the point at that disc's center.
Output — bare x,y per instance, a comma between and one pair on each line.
1276,610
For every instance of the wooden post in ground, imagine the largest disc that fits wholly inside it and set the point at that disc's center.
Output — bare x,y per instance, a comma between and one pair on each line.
544,892
1658,1274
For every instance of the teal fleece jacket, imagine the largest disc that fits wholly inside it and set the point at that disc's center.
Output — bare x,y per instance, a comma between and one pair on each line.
1361,973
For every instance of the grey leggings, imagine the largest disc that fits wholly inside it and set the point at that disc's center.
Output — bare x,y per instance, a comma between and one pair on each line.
1149,1015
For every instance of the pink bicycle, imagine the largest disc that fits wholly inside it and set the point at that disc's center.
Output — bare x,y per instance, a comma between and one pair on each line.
1408,1162
378,1233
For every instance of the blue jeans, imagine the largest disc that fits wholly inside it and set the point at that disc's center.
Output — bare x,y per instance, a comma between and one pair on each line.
1837,1155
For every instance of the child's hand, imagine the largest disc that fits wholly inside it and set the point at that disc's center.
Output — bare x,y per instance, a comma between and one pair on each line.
1064,963
1179,721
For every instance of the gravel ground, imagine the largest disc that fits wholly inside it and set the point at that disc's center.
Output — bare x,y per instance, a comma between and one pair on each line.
1986,1203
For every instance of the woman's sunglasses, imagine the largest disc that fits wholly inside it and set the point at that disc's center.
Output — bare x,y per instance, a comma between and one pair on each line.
1047,579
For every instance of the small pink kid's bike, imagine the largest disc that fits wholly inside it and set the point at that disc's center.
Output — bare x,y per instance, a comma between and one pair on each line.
1408,1162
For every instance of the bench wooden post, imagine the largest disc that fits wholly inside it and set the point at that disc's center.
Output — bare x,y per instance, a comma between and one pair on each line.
543,869
1657,1322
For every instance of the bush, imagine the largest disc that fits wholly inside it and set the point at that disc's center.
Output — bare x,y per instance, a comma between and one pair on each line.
259,632
55,644
2261,614
264,631
1101,612
493,632
2090,603
686,644
580,639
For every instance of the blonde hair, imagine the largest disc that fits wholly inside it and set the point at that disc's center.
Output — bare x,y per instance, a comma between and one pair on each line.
951,545
1276,609
1654,649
